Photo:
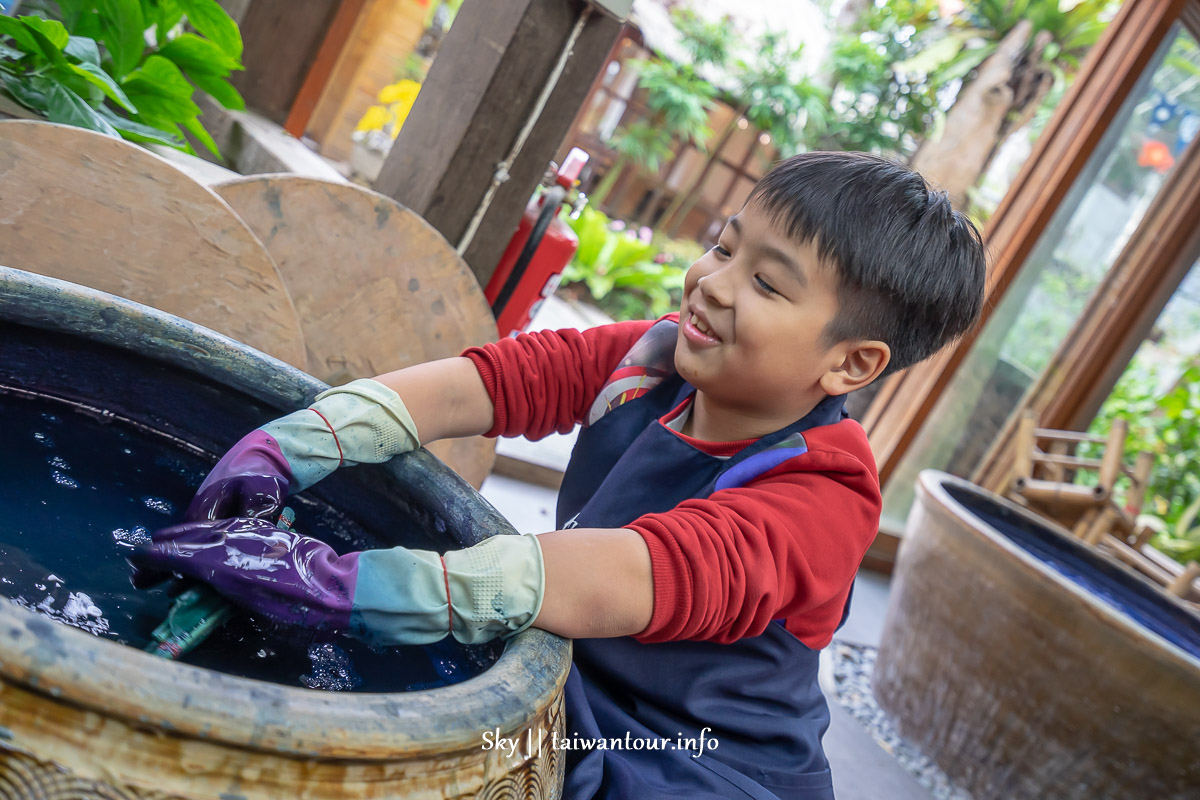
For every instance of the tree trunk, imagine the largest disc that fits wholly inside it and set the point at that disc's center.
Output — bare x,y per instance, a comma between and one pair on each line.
848,16
977,121
682,203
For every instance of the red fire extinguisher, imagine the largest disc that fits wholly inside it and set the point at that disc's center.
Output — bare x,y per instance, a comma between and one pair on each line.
532,264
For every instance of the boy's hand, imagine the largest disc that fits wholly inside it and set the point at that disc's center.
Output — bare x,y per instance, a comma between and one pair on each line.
396,596
251,480
361,422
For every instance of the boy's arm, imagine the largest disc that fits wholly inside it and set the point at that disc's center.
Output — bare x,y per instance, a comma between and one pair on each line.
447,399
784,546
599,583
529,385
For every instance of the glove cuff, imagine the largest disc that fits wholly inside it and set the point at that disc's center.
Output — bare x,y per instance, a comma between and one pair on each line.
363,422
371,421
496,587
490,590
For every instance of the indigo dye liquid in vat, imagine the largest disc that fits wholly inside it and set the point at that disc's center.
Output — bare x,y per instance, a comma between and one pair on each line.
1078,564
78,488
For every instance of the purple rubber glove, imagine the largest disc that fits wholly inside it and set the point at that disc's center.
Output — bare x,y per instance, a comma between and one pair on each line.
284,576
394,596
363,422
251,480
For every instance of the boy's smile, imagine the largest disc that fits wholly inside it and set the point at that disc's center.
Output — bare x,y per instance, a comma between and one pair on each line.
751,330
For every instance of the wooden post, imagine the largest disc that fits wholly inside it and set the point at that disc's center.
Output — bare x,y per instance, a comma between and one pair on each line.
1181,586
318,74
1025,445
1101,525
281,39
502,93
1142,467
1114,451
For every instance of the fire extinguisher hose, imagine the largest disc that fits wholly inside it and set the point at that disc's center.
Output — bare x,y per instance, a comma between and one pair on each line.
551,202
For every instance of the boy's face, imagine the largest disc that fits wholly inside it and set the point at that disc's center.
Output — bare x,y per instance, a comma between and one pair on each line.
751,321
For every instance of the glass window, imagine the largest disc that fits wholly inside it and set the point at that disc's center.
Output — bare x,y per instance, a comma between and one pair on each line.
1159,396
739,144
739,195
687,169
715,185
718,120
1044,302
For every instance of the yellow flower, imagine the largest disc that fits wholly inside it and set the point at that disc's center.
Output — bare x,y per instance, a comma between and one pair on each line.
404,92
374,119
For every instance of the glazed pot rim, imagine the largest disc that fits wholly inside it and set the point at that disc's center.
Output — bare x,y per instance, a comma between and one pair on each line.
115,680
933,484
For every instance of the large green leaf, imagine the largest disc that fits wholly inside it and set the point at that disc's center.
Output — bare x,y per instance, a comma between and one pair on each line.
212,21
52,29
124,33
193,54
221,90
197,130
20,34
104,82
206,66
63,105
160,92
83,50
73,11
48,47
137,132
28,91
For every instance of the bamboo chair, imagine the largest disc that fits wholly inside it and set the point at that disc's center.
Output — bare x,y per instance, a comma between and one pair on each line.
1044,481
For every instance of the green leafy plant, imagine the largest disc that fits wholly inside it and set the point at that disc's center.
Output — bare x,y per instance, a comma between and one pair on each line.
1166,424
877,105
625,276
123,67
679,101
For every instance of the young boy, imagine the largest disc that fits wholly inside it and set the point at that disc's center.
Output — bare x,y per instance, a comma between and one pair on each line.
715,510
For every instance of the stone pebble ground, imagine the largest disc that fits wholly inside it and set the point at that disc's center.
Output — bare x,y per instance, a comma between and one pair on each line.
853,666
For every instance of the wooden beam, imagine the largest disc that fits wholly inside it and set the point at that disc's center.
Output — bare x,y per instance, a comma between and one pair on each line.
1117,318
1105,82
479,108
281,39
322,68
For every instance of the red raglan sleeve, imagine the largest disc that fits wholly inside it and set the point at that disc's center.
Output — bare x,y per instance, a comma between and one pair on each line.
545,381
785,546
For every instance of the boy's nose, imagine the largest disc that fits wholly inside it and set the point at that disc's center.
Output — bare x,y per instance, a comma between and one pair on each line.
715,287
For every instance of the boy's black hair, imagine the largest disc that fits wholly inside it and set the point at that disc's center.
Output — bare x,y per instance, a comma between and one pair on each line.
910,268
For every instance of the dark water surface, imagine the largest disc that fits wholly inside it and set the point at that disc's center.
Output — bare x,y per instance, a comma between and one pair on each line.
78,489
1075,562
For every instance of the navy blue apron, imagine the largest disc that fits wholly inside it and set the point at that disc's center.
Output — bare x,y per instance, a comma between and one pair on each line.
758,697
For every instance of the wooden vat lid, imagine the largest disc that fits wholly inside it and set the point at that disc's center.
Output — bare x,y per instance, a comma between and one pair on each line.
377,288
103,213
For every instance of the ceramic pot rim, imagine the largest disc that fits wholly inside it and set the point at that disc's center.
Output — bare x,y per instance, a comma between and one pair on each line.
933,485
74,667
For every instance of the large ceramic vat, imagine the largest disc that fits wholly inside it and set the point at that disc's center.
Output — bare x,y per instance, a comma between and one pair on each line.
85,718
1028,666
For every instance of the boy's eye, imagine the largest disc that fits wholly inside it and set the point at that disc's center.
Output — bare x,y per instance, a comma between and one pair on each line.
766,287
721,251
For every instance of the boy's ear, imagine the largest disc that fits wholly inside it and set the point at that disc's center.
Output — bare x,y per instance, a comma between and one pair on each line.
863,363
